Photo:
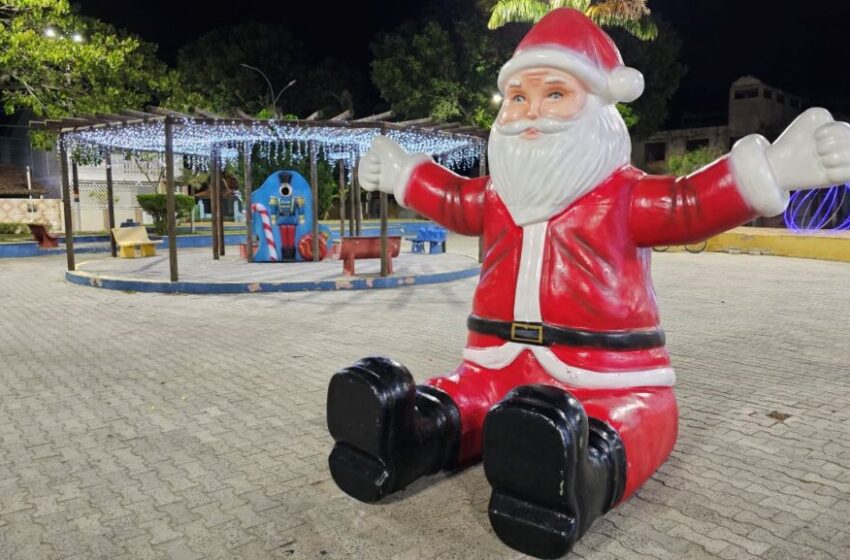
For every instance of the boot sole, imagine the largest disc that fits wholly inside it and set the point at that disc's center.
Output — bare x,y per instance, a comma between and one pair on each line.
530,459
365,404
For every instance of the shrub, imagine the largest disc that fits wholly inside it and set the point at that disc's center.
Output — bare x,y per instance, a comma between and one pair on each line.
13,228
155,205
688,162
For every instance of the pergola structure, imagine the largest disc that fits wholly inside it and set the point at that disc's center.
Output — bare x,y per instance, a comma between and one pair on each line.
210,140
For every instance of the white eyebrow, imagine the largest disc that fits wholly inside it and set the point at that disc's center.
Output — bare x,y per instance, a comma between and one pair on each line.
555,80
515,82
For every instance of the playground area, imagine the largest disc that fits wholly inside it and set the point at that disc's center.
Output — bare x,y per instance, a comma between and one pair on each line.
140,425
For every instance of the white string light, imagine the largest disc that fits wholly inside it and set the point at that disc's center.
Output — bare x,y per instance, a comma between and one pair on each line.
195,141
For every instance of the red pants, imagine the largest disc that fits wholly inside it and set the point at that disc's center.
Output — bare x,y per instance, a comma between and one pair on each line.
645,417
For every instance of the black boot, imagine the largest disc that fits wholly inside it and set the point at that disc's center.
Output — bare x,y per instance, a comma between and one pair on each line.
552,472
388,431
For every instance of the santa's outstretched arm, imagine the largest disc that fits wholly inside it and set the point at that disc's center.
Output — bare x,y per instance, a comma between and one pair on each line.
755,179
453,201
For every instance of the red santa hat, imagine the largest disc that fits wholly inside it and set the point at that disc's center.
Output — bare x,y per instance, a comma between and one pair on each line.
568,40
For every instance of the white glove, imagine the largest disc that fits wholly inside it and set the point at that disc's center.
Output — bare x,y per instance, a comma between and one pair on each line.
386,167
814,151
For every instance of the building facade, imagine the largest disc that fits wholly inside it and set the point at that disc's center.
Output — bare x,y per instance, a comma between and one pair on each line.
754,107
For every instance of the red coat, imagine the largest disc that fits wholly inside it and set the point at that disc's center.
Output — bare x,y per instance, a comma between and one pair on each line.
596,255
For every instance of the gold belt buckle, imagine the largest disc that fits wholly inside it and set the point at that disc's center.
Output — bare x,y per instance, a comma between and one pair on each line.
527,332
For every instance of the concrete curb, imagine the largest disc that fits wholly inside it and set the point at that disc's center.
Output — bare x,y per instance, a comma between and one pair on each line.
343,284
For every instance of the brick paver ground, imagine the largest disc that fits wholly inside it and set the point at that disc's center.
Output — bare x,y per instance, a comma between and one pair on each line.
182,427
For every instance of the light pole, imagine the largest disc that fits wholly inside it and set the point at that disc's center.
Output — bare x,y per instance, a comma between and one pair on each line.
272,95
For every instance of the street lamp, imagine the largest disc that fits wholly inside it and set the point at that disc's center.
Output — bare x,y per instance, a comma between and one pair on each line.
78,37
272,95
497,98
50,32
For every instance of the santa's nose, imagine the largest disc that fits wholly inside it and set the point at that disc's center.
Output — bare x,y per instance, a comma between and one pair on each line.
533,110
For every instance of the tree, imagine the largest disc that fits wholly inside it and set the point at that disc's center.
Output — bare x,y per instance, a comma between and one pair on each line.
445,70
631,15
213,73
659,62
56,63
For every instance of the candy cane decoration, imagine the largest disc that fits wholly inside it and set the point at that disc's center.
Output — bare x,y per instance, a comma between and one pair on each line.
267,229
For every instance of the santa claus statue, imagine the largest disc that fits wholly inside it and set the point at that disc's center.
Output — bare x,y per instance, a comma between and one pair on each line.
565,389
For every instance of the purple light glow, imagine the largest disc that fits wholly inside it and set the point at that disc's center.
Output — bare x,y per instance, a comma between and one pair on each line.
811,210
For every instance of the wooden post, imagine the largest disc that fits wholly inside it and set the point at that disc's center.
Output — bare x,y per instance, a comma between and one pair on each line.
213,200
385,269
341,199
482,171
170,205
221,190
110,203
75,183
249,186
66,203
314,184
358,208
351,229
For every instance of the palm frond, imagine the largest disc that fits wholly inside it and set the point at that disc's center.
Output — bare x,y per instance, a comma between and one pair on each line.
627,10
581,5
644,28
507,11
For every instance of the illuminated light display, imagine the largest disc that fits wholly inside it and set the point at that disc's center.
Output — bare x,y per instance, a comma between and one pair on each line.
195,141
816,209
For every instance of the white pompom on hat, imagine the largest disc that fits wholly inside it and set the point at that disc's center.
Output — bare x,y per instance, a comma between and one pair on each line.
568,40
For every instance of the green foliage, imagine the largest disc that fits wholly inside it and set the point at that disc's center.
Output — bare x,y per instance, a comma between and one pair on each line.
442,69
662,69
212,76
447,69
13,228
53,77
688,162
631,15
628,114
156,206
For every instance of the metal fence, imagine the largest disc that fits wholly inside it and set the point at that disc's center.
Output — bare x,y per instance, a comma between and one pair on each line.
93,194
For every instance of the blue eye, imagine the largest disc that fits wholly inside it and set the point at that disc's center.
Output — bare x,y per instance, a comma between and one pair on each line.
518,98
556,95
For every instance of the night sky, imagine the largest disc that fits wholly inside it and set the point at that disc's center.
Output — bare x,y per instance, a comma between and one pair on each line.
801,47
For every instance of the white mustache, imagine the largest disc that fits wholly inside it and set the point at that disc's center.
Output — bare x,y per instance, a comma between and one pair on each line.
543,125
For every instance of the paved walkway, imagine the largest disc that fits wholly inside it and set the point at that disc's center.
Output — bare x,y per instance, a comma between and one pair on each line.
181,427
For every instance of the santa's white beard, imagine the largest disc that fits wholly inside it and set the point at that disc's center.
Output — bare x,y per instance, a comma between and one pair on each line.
538,178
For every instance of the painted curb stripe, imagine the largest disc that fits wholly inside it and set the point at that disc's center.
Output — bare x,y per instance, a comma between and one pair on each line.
152,286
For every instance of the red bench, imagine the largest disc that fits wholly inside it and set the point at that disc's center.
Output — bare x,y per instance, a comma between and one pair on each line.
46,240
366,248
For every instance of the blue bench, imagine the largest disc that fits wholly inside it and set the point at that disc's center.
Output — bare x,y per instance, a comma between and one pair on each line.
434,236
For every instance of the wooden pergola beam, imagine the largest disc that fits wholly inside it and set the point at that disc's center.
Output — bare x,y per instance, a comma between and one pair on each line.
168,112
416,122
210,114
314,116
344,116
139,114
375,118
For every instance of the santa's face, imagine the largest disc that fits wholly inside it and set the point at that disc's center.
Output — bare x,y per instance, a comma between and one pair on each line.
541,92
552,142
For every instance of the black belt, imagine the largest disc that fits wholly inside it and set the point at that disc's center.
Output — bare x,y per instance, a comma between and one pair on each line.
542,334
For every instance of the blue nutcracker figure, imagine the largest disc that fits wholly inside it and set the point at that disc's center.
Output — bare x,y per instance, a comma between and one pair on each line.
282,217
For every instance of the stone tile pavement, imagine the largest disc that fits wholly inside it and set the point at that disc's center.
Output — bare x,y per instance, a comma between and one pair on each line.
137,426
